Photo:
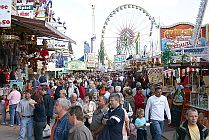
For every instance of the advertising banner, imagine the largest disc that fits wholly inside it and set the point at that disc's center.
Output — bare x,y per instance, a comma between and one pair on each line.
5,13
179,35
59,60
119,58
25,10
76,65
90,60
34,8
43,9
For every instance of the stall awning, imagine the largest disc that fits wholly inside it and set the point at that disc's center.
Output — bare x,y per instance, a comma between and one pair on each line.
37,27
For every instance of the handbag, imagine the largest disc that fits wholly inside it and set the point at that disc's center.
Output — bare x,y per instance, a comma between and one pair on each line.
47,131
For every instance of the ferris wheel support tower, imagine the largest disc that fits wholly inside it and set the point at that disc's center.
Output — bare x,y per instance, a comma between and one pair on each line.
198,24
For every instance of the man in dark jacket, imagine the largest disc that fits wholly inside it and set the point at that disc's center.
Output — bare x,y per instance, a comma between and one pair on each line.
191,129
114,119
49,105
57,91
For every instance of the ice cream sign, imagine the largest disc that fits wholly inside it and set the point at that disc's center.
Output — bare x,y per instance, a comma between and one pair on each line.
5,13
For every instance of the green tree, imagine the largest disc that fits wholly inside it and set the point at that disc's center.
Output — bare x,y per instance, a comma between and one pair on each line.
167,55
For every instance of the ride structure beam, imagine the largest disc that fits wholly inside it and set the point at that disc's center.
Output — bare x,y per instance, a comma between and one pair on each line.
195,36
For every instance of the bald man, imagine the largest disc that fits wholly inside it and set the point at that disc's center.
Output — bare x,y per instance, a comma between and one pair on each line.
74,100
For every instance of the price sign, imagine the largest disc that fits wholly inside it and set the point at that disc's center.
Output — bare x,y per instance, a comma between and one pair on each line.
5,13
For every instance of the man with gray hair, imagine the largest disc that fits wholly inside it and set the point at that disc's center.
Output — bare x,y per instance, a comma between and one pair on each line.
191,129
61,126
74,100
118,89
134,89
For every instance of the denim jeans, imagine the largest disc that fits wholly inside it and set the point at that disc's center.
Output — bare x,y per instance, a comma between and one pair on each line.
3,114
13,113
38,131
141,134
156,129
26,126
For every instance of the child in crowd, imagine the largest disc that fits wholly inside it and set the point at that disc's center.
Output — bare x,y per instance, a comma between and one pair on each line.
140,124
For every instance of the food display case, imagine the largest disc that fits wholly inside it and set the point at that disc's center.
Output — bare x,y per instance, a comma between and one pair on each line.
199,100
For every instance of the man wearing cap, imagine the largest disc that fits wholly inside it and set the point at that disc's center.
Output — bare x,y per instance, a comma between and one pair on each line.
25,111
154,112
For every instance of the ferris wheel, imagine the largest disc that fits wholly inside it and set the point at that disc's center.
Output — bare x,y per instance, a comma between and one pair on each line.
128,30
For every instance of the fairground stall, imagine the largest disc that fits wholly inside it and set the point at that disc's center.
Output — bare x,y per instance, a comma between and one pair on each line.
187,66
20,55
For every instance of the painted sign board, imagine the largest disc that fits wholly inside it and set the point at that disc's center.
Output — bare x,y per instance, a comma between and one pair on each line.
178,36
90,60
76,65
5,13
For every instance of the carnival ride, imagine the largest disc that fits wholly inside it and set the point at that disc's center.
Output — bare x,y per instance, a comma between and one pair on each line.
195,36
128,30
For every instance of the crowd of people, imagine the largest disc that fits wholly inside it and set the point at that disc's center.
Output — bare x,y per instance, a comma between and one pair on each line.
94,106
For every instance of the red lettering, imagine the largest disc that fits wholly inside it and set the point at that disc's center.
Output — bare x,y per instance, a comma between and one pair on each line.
25,14
5,22
4,7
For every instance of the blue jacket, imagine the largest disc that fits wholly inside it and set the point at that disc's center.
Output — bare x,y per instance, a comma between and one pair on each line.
61,131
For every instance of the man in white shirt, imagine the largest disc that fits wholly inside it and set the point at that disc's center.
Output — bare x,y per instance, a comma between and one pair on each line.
154,112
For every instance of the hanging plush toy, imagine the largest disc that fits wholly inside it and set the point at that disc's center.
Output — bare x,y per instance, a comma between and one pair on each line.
44,54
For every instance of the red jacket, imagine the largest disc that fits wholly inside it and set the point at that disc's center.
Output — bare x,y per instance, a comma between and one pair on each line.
82,91
139,100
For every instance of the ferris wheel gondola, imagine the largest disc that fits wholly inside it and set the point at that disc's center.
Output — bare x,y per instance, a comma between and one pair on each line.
127,30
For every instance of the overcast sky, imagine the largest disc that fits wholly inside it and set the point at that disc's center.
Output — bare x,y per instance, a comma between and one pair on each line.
78,15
